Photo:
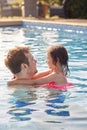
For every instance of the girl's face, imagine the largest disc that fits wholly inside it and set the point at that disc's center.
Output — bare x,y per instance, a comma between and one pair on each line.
50,62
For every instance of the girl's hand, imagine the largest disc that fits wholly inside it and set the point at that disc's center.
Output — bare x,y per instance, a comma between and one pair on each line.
12,82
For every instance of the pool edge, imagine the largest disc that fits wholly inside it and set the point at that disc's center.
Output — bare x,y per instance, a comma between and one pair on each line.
14,22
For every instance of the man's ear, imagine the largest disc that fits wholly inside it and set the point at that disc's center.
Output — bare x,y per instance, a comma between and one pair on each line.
23,66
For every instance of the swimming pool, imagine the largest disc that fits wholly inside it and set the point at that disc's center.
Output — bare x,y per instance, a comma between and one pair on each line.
41,108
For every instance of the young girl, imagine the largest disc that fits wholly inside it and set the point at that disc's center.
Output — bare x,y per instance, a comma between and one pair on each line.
57,60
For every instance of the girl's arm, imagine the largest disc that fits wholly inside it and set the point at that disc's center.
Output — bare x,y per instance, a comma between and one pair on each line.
40,81
42,74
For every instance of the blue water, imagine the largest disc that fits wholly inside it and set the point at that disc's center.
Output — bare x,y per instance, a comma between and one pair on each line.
40,108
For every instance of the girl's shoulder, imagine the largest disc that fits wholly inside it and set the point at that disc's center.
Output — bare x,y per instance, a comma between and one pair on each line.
58,74
60,78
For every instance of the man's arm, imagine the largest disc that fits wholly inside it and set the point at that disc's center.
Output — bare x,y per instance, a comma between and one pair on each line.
39,81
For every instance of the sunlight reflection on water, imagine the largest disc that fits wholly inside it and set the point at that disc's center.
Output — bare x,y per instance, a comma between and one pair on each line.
41,108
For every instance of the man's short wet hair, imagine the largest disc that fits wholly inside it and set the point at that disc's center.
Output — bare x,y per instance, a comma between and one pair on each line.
15,57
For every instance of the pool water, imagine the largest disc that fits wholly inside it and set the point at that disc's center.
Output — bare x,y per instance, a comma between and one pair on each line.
40,108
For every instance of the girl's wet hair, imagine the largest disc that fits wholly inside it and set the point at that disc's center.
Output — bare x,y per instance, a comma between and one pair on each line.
59,53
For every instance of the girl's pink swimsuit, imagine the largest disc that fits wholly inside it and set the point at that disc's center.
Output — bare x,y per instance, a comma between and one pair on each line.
62,87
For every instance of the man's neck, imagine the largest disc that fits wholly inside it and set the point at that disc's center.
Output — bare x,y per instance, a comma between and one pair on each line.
22,76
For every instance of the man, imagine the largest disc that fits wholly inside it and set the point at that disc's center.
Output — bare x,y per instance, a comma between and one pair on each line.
21,63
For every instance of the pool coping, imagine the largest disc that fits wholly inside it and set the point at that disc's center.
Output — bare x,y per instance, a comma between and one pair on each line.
10,22
19,21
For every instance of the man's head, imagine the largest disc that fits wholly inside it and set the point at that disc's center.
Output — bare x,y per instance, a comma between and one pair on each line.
19,59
